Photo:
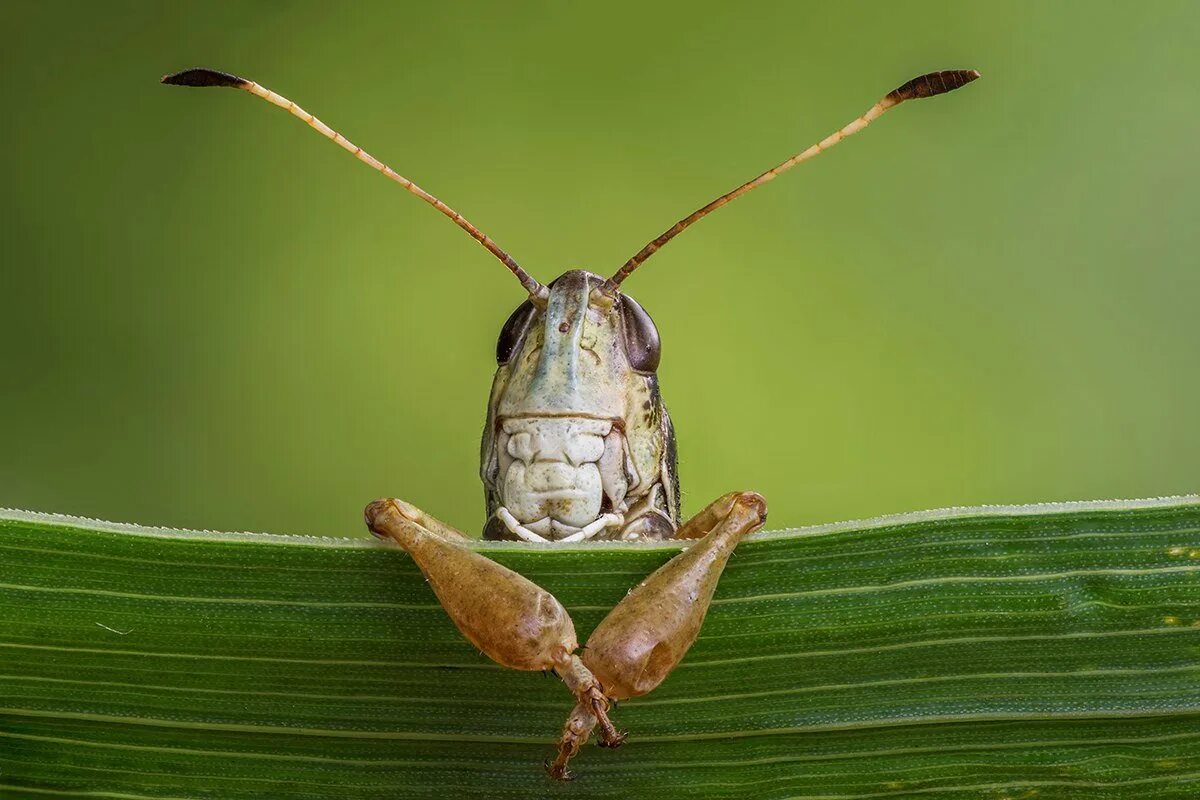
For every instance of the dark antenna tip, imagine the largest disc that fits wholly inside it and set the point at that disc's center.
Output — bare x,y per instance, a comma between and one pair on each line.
199,76
933,83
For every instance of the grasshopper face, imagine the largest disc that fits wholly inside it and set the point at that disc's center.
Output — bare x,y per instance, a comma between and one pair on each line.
577,434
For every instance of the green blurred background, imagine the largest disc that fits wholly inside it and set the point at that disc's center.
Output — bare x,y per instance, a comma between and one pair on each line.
212,318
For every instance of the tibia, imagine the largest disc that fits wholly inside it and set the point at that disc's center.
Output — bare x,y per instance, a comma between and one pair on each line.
589,696
575,734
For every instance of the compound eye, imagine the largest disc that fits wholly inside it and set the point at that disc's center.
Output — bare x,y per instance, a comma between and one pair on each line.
513,332
641,336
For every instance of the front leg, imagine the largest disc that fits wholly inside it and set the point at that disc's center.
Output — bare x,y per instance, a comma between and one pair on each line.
647,634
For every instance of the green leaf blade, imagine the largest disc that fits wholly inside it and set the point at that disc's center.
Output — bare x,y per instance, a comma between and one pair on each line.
1042,651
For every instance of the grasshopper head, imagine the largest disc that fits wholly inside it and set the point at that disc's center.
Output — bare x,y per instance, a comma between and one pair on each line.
576,428
576,354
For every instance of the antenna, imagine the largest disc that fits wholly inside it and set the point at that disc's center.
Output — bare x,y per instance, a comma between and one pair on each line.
209,77
924,86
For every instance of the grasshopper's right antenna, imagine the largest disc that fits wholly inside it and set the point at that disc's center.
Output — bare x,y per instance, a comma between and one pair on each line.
928,85
209,77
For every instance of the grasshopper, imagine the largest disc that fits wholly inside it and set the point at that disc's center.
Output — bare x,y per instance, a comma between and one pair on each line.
578,446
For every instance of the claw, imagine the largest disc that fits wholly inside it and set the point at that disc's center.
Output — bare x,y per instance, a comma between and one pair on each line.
618,738
558,771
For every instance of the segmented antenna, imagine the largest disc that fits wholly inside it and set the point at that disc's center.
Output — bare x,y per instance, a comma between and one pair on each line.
209,77
924,86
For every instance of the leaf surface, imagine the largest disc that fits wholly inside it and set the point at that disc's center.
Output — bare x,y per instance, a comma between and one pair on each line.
1002,652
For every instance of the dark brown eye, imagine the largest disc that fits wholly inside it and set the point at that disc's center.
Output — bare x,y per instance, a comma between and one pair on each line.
513,332
641,336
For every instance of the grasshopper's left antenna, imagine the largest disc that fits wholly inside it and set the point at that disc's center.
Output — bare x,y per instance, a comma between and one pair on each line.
209,77
928,85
